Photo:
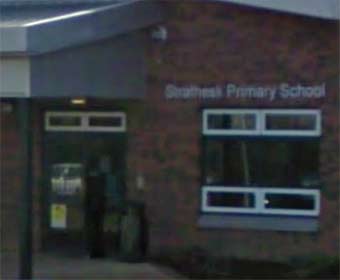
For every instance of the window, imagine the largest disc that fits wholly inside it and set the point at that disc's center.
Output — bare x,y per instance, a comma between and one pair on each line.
86,121
292,122
219,199
277,152
230,122
261,122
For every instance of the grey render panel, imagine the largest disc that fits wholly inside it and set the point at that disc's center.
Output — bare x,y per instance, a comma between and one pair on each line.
275,223
13,38
326,9
108,69
14,76
90,25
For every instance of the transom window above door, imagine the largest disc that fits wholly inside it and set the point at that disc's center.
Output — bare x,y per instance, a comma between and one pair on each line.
85,121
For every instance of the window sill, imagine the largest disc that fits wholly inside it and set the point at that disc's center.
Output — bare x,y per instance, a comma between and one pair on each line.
259,222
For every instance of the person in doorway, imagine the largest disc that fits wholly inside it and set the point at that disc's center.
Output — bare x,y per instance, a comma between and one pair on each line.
95,209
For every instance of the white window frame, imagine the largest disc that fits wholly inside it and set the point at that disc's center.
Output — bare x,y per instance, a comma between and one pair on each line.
84,121
236,132
260,201
292,132
220,209
121,128
260,123
312,192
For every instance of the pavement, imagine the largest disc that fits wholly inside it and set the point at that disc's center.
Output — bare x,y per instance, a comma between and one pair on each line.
63,267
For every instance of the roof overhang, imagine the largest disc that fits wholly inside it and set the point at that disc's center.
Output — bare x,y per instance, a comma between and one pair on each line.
323,9
45,32
86,51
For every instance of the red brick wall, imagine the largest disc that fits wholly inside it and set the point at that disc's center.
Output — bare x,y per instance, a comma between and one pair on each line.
11,188
216,43
208,44
10,180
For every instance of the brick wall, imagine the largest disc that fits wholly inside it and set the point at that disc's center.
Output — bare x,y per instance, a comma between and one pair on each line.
11,188
216,43
10,182
208,44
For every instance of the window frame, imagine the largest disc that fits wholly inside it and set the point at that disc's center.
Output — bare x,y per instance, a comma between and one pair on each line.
220,209
85,121
260,200
258,133
292,132
260,123
236,132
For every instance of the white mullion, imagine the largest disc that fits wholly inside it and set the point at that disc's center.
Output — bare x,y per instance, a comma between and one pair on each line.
85,119
260,200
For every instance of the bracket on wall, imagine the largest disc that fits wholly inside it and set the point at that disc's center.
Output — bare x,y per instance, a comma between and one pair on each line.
6,108
159,33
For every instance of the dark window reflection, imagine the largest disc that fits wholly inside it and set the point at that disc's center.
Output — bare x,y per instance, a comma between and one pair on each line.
224,199
239,121
261,163
289,201
288,122
64,121
105,121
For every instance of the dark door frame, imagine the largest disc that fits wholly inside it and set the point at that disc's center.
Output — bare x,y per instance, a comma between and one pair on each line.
45,191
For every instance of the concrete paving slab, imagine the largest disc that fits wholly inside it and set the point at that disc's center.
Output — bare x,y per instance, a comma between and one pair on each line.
57,267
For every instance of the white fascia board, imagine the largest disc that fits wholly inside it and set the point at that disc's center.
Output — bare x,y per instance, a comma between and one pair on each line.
326,9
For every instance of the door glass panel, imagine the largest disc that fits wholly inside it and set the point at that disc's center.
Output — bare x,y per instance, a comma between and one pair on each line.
64,121
105,121
67,163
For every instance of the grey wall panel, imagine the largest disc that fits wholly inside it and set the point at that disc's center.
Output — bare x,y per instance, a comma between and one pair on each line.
12,39
14,76
276,223
108,69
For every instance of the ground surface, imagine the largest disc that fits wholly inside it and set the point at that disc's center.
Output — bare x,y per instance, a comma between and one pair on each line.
56,267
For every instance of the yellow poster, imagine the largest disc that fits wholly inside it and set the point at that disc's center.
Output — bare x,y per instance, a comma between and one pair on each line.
58,216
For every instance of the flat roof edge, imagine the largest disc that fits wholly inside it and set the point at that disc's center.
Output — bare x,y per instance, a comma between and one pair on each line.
85,27
329,10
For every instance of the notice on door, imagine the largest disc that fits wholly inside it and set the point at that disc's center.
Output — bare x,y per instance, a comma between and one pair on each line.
58,216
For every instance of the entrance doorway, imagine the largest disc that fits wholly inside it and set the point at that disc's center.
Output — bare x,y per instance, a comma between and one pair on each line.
84,194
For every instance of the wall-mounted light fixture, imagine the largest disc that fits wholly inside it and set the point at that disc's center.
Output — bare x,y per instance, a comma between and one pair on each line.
78,101
159,33
6,108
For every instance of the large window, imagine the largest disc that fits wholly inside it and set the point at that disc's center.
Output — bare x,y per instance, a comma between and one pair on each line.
261,161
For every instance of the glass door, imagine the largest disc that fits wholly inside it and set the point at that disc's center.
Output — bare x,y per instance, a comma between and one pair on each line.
84,191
